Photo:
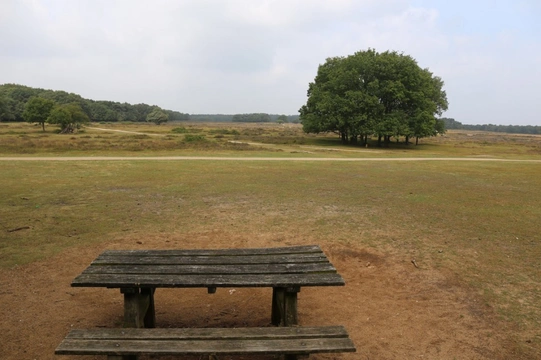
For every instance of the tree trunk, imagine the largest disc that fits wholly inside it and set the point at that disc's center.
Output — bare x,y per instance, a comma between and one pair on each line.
407,139
416,140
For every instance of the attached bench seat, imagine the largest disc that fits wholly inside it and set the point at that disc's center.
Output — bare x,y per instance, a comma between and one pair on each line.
293,342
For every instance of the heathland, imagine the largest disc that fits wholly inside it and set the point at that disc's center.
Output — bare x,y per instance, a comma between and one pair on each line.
438,243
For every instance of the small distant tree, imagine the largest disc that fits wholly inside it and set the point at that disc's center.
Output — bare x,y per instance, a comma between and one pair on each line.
281,119
37,110
157,116
69,117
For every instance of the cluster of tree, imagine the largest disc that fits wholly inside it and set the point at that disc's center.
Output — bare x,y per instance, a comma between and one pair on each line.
230,118
451,123
13,99
255,117
68,116
294,119
370,93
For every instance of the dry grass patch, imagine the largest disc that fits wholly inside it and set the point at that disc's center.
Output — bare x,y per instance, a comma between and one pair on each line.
474,223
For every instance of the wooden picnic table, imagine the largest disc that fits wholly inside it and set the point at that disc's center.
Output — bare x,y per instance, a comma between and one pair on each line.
137,273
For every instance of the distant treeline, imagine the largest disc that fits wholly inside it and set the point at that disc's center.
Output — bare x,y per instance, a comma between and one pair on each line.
513,129
255,117
13,99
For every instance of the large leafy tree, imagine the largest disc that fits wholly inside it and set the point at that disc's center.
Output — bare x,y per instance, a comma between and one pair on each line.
157,116
37,110
69,117
369,93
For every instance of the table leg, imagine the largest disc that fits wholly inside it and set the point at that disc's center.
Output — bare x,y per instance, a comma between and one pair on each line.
139,307
284,306
150,316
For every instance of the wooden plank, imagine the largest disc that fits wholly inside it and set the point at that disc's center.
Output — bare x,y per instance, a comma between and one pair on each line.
136,306
219,252
150,316
291,317
284,306
204,260
204,347
254,333
278,306
303,268
160,280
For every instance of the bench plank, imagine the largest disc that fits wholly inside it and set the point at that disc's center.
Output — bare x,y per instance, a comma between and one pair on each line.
205,342
211,280
213,269
209,333
219,252
203,260
203,347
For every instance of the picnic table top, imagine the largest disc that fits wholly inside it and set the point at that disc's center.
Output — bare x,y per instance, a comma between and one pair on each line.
292,266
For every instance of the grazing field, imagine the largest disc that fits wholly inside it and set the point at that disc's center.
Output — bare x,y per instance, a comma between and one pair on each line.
238,139
472,228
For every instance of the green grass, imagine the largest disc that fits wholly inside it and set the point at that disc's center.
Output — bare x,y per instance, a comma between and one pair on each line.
483,217
21,139
476,220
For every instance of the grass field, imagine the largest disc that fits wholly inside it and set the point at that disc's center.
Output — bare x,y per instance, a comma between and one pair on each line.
240,139
477,221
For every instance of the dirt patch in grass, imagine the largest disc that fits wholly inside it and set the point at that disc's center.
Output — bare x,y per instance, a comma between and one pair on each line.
472,227
391,309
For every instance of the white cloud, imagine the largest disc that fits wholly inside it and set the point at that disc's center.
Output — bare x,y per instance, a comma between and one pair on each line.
258,56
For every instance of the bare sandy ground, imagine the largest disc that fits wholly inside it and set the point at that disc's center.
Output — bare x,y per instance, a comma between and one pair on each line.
391,309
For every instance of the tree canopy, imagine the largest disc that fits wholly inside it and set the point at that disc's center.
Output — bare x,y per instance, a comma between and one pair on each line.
37,110
157,116
255,117
14,97
69,117
370,93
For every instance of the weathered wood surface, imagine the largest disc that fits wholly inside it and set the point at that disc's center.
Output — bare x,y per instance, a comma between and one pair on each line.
139,308
205,259
273,267
221,252
169,280
284,306
320,267
220,341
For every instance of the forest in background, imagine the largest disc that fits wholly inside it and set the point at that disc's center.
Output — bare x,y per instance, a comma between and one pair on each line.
13,99
452,124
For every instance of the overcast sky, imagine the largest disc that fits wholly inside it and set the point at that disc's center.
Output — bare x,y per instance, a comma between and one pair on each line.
244,56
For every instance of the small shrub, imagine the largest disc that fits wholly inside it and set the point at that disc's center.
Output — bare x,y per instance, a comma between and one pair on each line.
180,130
193,138
224,132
